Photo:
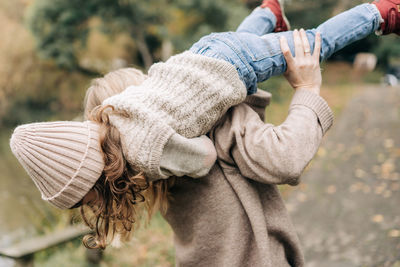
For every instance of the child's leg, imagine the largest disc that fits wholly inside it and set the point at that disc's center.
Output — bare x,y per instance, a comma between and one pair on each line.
260,22
258,58
268,17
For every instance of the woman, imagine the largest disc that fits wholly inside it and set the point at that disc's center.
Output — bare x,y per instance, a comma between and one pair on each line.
235,215
237,201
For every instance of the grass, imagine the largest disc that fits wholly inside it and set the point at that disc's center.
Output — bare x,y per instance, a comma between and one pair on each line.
150,246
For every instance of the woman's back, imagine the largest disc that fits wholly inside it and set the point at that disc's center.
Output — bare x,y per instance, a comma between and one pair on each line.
226,219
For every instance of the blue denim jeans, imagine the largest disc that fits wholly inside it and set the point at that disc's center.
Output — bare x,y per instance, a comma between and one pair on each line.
256,53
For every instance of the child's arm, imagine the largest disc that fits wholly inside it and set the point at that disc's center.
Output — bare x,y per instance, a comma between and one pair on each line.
188,157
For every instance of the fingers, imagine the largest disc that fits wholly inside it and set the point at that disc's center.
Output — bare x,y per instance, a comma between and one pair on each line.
286,50
317,46
298,44
306,44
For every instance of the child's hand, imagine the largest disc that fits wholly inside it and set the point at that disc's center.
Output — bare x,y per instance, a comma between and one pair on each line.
303,70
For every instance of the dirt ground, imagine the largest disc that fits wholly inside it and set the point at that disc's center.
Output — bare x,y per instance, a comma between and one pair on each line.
347,209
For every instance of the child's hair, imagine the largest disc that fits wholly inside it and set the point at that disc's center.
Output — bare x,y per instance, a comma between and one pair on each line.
112,83
123,194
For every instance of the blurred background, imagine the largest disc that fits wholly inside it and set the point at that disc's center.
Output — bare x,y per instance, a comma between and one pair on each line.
51,49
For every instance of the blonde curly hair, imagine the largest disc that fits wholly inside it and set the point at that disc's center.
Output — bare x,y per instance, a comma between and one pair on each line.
123,195
111,84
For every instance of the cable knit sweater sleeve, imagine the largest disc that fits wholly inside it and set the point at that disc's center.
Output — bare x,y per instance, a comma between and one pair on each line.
192,157
185,95
275,154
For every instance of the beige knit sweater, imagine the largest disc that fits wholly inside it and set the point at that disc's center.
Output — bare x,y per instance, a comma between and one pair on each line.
185,95
235,216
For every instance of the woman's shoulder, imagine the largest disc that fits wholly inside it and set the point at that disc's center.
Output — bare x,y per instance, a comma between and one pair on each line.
259,101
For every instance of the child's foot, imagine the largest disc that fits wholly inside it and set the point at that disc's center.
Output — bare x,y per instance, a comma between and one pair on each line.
276,6
390,12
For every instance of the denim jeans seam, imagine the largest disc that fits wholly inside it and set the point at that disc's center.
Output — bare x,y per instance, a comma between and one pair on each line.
375,13
203,49
341,40
272,51
238,53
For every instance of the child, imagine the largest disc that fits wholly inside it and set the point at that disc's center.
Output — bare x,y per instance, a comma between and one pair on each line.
184,96
181,156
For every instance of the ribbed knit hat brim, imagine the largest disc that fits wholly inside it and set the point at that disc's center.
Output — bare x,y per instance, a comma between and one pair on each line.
64,158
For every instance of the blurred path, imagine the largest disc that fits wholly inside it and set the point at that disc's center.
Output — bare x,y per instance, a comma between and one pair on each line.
347,210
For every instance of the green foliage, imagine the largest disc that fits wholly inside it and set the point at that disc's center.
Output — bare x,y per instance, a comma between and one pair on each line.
46,93
150,246
308,14
214,13
61,27
387,49
211,16
69,254
33,89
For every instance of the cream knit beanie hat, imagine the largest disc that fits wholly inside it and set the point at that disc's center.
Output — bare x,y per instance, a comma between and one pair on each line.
63,158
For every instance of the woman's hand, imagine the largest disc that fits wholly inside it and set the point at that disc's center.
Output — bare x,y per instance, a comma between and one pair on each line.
303,70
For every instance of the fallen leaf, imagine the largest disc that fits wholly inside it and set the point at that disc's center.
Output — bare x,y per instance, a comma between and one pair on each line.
395,186
376,169
366,189
359,132
341,147
301,197
380,157
387,194
380,188
388,143
359,173
303,187
357,149
356,187
331,189
321,152
394,233
387,168
378,218
289,207
395,176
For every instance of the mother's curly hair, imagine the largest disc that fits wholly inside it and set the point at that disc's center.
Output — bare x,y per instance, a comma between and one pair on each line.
123,194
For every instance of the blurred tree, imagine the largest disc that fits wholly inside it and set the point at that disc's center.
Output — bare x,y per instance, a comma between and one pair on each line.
57,27
386,50
61,27
202,17
32,89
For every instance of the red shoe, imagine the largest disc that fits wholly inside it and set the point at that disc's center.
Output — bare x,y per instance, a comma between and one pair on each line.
390,12
276,6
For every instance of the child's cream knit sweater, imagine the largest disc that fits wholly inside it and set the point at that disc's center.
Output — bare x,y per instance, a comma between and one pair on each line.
185,95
